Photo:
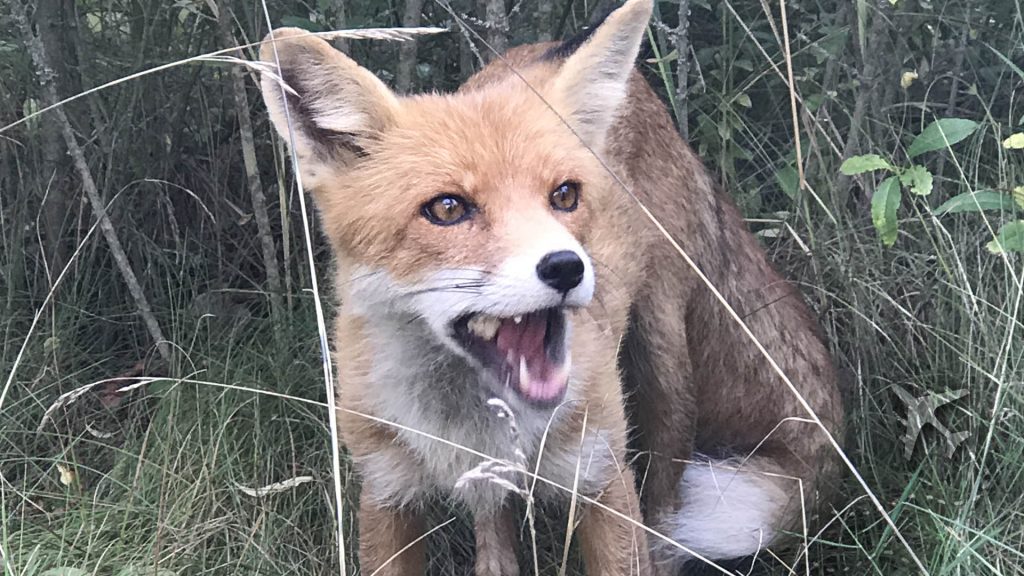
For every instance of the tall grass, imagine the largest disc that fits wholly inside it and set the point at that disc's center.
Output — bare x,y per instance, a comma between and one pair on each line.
166,478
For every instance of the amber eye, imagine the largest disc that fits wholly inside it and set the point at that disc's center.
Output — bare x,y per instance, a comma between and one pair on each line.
447,209
566,197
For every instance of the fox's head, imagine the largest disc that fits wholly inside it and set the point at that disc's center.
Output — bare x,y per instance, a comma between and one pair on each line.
470,211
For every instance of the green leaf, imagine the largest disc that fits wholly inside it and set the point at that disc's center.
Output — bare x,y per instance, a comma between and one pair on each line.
28,108
65,572
1015,142
939,134
743,100
975,202
789,181
918,179
1009,63
670,57
94,22
814,101
867,163
1009,239
884,204
834,43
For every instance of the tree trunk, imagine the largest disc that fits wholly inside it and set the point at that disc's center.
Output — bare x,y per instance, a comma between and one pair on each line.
868,93
958,69
545,9
340,23
407,49
54,175
252,172
497,28
681,39
469,54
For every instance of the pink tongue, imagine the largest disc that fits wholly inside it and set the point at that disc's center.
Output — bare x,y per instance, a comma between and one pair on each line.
526,340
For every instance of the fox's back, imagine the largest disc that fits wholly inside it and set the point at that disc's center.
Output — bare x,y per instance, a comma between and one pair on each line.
663,189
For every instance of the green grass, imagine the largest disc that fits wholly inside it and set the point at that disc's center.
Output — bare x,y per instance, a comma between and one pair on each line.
164,489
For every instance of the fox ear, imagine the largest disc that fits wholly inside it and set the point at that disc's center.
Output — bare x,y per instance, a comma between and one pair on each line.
593,82
330,106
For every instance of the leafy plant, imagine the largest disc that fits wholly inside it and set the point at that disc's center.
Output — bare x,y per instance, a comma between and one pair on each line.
885,202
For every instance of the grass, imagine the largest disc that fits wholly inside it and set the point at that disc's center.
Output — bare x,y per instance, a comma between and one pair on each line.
165,489
156,481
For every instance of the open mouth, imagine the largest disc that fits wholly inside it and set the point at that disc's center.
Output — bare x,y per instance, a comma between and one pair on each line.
527,353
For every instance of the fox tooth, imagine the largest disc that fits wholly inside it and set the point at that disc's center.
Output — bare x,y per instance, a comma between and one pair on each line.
524,375
484,326
475,324
518,319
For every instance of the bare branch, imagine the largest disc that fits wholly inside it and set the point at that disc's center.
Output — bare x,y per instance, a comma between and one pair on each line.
407,51
252,173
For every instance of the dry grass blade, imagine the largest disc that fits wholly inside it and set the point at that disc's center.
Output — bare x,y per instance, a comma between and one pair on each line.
276,487
411,544
390,34
71,396
570,526
325,350
792,95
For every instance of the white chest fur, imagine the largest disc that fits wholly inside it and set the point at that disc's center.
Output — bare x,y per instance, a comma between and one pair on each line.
447,430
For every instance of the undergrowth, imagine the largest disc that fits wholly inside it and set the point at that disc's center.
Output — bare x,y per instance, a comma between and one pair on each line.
219,462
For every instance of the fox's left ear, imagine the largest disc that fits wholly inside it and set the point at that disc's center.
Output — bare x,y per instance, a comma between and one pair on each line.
330,106
593,82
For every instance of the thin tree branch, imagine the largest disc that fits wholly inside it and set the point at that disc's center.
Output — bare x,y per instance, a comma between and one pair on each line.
407,50
681,39
252,172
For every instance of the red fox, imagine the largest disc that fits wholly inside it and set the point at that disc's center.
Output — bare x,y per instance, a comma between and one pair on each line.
487,251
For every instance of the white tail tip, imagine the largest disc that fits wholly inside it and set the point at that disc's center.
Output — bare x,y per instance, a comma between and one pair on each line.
730,509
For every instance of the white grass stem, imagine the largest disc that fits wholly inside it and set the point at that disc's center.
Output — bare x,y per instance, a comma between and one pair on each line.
325,351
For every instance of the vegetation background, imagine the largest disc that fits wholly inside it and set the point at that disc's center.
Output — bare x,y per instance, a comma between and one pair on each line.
151,228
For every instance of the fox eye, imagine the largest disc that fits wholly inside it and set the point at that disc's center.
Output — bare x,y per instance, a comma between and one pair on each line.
566,197
447,209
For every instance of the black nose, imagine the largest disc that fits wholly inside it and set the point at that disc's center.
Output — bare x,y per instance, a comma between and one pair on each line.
562,270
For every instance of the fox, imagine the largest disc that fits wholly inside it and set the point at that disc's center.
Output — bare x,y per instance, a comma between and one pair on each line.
508,295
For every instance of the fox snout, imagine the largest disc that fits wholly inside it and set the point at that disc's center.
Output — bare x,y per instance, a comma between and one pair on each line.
554,271
562,270
511,319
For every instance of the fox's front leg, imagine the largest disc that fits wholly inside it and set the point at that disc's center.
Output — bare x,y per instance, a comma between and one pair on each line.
495,543
612,536
390,540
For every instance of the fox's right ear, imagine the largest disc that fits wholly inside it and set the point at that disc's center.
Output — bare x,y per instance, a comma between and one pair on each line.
329,106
